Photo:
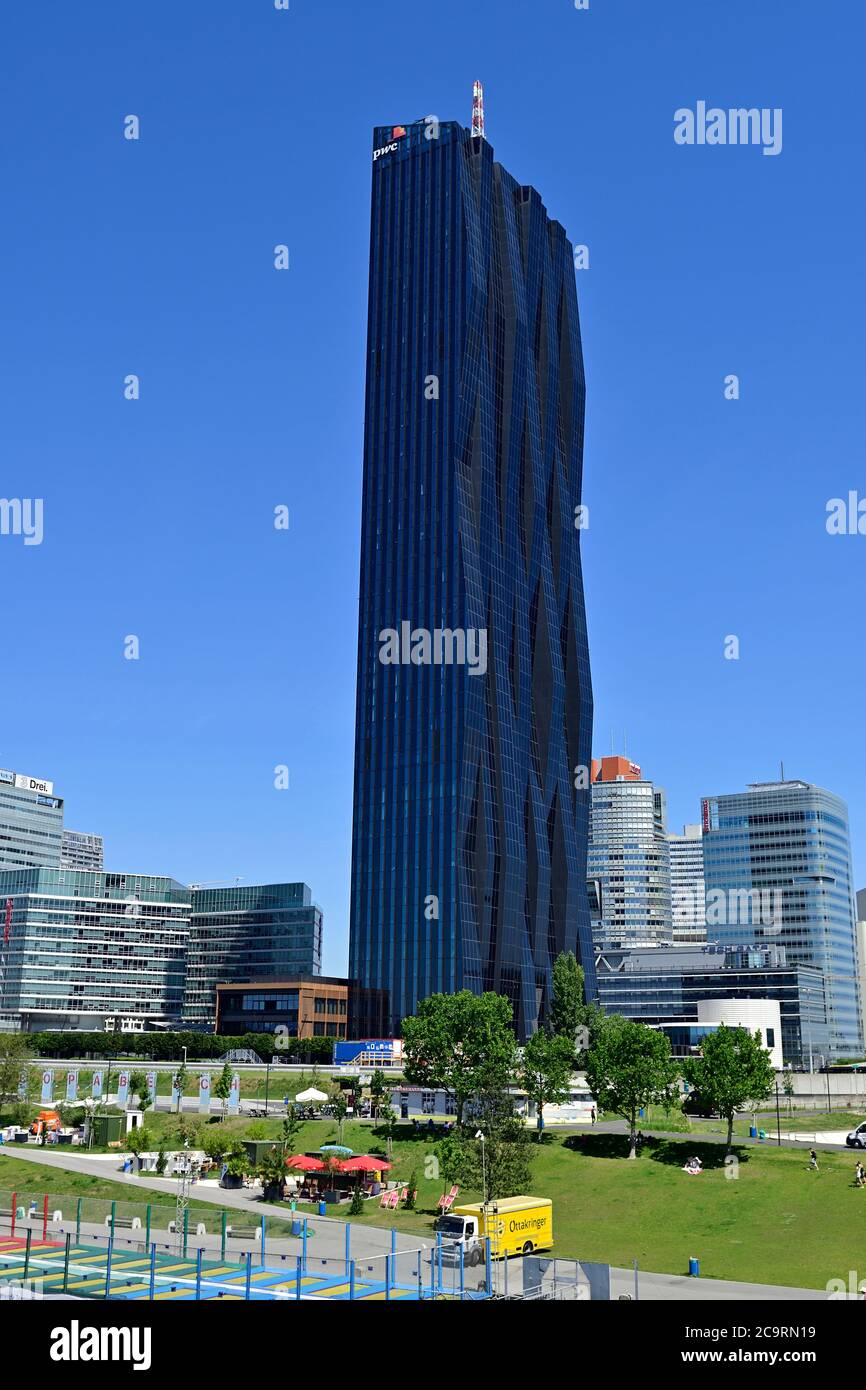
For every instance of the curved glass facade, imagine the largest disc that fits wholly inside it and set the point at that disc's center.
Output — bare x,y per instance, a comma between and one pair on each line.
469,846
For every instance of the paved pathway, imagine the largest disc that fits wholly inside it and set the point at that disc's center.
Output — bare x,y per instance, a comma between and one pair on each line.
328,1242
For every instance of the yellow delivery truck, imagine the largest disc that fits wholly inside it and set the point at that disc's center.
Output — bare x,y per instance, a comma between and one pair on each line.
515,1225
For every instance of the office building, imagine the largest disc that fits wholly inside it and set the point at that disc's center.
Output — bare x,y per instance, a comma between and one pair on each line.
85,950
309,1006
31,822
474,701
861,955
629,859
689,990
688,917
777,864
267,931
79,851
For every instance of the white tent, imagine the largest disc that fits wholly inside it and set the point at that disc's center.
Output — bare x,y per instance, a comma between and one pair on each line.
311,1094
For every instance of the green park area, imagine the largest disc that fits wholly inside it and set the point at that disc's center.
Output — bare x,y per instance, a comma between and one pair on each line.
763,1217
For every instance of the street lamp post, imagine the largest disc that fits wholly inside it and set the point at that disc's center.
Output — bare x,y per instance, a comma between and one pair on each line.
480,1137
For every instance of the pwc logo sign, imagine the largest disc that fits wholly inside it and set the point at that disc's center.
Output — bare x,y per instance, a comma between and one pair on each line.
397,135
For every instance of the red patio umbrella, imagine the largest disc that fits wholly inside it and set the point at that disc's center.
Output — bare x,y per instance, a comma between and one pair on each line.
305,1163
364,1163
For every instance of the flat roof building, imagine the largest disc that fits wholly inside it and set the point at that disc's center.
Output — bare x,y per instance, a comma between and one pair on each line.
248,932
84,949
779,853
80,851
307,1006
31,822
676,986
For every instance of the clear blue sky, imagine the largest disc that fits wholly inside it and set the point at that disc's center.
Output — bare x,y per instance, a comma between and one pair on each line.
156,257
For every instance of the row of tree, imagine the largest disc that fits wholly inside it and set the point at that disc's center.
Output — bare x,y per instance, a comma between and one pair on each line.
169,1047
465,1045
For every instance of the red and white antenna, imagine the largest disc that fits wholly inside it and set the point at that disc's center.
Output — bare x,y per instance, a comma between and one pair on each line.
478,110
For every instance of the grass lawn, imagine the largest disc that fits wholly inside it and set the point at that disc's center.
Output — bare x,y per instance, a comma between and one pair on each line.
18,1175
774,1223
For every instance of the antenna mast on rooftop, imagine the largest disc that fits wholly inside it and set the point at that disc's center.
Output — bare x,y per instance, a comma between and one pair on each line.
478,110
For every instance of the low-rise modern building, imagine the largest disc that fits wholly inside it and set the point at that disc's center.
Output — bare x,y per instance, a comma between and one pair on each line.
677,986
270,931
307,1006
31,822
80,851
82,950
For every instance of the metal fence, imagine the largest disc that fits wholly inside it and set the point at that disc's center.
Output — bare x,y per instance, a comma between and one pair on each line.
96,1248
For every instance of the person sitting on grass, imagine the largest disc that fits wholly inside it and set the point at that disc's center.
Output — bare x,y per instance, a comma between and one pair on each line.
694,1166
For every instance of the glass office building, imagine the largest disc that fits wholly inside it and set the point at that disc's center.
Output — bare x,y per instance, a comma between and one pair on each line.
248,932
474,701
629,862
664,986
81,851
85,949
688,913
779,855
31,822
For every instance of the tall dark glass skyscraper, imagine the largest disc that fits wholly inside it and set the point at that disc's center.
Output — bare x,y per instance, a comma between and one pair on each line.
474,710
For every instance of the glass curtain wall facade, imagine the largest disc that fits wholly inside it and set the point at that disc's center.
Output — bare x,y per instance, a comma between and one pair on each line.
86,947
248,932
688,917
31,825
469,844
666,985
783,848
629,859
80,851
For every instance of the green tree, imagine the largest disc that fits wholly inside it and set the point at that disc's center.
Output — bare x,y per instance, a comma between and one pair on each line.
138,1087
733,1070
566,1002
545,1070
462,1043
340,1107
788,1088
292,1125
497,1165
357,1204
15,1057
387,1126
629,1067
272,1171
222,1087
138,1142
380,1087
181,1079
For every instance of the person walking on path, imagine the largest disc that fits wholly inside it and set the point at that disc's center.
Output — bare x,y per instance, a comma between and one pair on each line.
813,1160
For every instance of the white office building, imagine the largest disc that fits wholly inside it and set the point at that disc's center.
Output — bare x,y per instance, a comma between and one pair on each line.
688,910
